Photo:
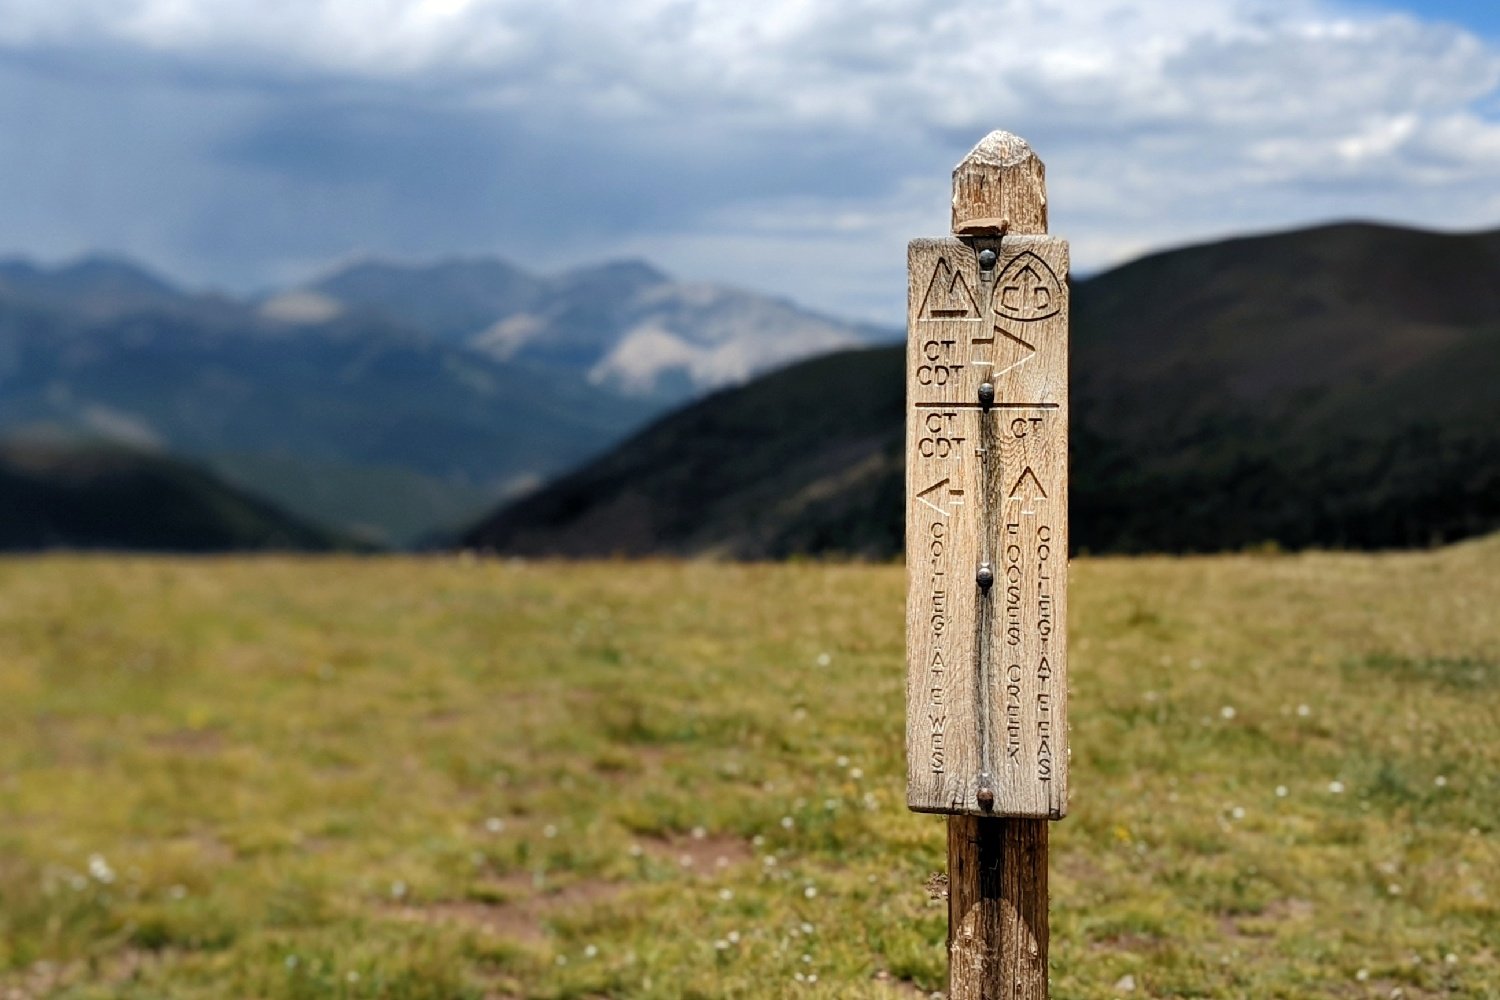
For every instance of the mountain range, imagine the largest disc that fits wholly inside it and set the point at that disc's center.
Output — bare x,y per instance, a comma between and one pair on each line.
1327,387
391,402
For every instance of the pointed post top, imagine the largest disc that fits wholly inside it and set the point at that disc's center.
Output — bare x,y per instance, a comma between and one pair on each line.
1000,187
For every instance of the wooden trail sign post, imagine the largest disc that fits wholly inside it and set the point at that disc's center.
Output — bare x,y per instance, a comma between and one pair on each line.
987,560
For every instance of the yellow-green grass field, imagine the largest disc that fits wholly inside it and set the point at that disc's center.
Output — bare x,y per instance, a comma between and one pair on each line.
442,777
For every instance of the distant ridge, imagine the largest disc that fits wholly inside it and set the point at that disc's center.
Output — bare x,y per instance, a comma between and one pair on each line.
624,325
390,400
1329,387
95,286
102,497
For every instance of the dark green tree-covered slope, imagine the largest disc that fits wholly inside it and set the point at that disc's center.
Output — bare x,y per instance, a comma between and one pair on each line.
1327,387
103,497
804,460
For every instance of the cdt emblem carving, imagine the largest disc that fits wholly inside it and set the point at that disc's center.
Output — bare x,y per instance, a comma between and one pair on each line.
1027,290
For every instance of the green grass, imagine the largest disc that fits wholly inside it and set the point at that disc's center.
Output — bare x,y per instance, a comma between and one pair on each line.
417,778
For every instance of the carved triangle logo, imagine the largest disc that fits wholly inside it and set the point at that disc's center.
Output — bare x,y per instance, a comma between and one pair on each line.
948,295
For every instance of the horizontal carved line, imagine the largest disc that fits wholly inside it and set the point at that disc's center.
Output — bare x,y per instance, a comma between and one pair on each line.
993,406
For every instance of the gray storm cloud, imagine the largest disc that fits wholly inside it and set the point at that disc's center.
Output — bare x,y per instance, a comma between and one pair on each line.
792,146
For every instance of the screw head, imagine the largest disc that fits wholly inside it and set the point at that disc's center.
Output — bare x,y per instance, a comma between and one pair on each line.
987,395
985,577
987,260
986,799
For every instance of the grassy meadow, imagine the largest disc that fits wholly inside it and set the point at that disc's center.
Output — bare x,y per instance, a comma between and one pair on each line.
458,778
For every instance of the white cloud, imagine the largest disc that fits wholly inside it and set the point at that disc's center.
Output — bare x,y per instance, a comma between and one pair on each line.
1159,122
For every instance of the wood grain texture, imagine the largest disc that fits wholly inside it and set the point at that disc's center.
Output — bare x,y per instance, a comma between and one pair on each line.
987,670
987,663
997,909
1000,187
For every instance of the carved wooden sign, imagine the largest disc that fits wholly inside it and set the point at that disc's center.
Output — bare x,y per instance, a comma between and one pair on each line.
987,525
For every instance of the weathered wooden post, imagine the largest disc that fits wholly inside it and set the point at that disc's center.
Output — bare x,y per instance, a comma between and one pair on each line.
987,560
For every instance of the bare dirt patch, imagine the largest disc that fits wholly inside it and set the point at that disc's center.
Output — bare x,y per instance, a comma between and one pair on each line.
1265,923
194,742
889,985
520,910
44,979
1130,942
702,853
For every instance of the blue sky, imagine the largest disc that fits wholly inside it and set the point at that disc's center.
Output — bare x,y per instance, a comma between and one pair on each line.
788,145
1479,16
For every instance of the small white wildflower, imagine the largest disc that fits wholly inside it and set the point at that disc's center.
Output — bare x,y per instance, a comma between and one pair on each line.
787,822
1238,812
591,951
494,824
1336,787
636,850
1362,975
561,960
1441,781
807,928
1281,791
1228,712
842,761
812,977
824,659
1304,711
398,889
758,841
856,773
721,945
726,894
1393,889
830,804
734,937
810,891
769,861
351,976
1450,958
290,961
800,978
549,831
100,869
806,959
699,833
